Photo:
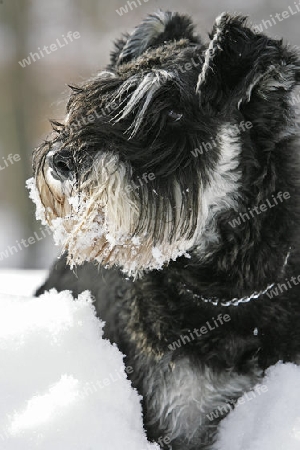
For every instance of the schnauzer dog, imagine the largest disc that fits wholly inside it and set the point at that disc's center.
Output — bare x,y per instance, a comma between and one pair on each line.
176,169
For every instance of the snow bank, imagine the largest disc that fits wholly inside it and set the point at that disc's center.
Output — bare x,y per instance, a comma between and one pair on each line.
270,421
62,386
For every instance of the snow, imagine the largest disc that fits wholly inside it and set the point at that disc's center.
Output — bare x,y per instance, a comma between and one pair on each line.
269,421
63,386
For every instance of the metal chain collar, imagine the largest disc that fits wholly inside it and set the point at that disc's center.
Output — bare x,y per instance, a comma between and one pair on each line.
235,301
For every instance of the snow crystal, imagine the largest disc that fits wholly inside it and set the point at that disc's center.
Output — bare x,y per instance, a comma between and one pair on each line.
75,202
60,235
136,241
35,197
158,256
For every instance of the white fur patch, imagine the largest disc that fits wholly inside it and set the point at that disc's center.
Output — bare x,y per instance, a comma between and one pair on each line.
221,193
182,399
210,52
142,95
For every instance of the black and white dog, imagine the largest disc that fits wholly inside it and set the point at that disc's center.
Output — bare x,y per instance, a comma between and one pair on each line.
177,170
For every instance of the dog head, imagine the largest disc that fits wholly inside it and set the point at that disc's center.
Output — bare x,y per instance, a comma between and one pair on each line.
158,152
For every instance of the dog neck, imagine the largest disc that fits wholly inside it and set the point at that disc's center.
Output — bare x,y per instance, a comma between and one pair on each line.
215,301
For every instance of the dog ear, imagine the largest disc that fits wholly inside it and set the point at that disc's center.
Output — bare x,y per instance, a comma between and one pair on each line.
154,31
239,63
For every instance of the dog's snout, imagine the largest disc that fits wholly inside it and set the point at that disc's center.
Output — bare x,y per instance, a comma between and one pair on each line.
62,164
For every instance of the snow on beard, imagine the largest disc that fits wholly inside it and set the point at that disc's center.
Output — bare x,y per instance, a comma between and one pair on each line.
99,218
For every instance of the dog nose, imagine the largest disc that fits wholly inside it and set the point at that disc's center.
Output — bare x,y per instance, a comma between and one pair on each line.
62,164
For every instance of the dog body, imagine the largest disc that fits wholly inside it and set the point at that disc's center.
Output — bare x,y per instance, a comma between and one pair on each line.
182,181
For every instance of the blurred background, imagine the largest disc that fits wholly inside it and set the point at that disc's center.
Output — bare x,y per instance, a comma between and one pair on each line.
32,94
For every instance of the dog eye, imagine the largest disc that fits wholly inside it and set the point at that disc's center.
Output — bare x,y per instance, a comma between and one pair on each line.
174,116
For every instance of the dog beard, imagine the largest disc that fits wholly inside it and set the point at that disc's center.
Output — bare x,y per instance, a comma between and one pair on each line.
98,220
